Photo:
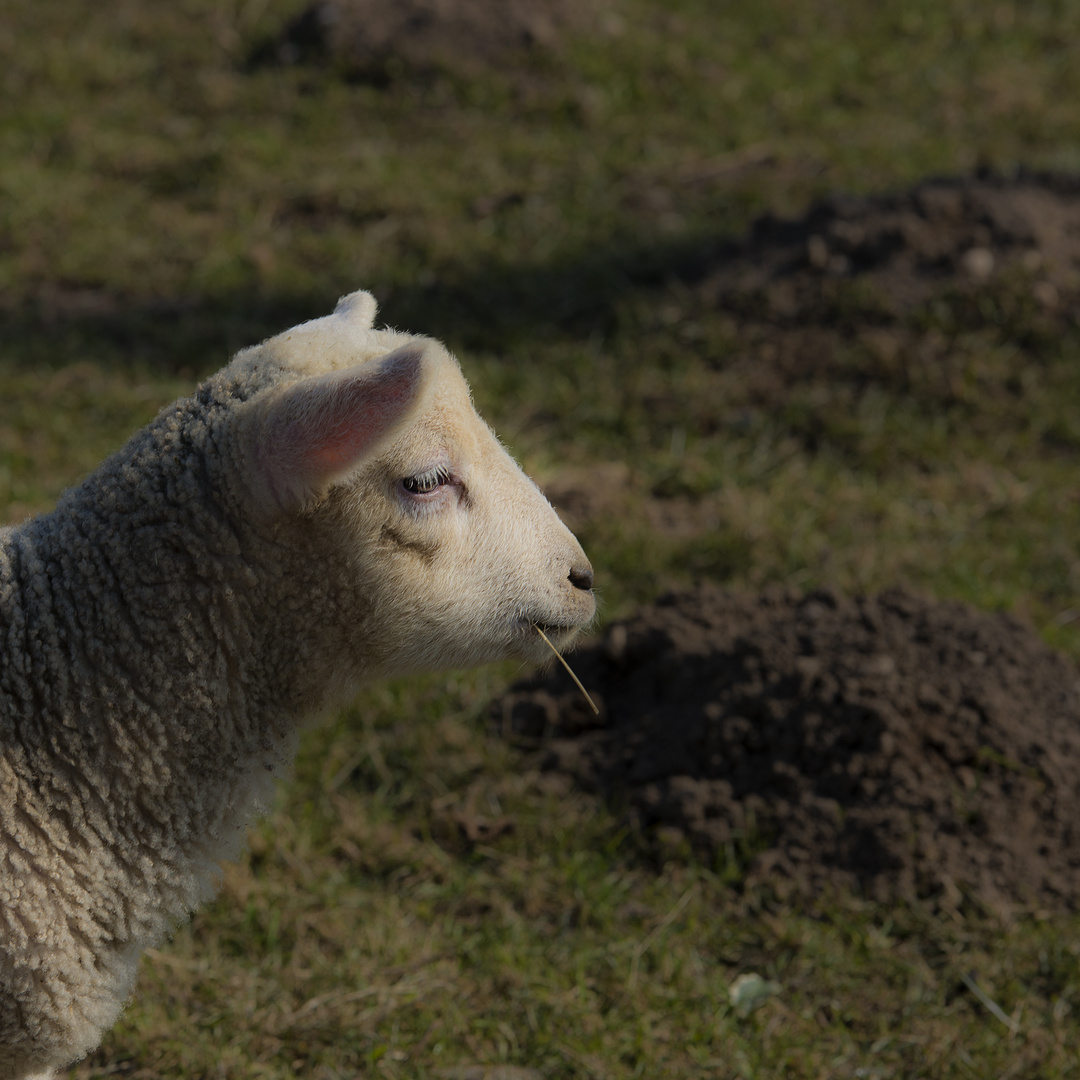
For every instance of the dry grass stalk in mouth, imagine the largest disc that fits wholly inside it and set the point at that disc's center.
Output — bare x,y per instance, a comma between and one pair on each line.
570,671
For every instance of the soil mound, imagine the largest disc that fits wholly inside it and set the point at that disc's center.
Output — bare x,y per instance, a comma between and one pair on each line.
891,744
375,41
910,244
879,289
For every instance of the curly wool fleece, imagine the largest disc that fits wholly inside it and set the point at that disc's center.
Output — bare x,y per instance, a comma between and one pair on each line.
242,565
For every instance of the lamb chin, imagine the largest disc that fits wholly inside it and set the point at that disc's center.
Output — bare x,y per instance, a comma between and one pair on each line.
558,634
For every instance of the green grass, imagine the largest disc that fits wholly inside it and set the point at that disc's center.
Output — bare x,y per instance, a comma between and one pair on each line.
163,202
366,935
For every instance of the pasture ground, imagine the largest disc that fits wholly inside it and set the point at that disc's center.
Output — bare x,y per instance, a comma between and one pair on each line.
780,299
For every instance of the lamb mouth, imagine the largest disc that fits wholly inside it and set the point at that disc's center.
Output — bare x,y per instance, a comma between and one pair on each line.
560,634
528,624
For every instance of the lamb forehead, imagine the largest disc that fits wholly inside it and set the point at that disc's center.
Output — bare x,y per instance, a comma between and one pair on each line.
344,338
326,344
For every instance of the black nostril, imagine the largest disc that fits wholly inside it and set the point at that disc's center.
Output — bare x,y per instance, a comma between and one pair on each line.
581,577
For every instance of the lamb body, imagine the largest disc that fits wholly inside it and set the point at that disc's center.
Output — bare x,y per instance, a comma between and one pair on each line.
326,510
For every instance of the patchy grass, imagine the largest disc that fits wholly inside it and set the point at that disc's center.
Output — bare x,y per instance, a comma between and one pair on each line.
56,427
423,901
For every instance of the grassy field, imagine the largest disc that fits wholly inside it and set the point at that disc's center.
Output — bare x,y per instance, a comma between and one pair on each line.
163,201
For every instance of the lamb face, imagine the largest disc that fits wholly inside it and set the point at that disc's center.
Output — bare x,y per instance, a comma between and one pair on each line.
466,544
452,553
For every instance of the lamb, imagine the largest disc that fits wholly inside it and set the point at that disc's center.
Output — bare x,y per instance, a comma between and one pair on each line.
326,510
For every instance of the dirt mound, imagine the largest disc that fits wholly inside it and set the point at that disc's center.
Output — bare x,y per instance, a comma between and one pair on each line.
882,289
942,232
376,41
890,743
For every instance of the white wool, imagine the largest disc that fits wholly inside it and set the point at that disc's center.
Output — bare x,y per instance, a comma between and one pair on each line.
241,566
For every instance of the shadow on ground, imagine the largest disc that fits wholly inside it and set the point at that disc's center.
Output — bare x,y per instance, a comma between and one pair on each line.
899,273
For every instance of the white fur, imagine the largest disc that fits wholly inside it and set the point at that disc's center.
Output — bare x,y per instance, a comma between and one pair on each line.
243,564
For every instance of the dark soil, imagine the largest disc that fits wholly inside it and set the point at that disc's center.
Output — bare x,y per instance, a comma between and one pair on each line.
890,744
943,235
879,290
379,42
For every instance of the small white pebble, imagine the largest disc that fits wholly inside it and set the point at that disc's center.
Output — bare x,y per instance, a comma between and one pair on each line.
978,262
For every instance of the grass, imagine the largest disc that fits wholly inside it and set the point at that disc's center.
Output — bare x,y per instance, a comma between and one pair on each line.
424,902
366,935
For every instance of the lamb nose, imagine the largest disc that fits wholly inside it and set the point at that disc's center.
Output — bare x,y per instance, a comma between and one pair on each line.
581,577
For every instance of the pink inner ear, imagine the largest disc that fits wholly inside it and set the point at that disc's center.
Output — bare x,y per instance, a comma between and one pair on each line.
355,415
321,428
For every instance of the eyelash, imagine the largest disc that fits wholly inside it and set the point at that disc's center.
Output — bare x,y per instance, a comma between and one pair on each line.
426,482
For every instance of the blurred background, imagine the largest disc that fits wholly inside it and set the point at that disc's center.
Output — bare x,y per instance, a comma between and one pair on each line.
761,293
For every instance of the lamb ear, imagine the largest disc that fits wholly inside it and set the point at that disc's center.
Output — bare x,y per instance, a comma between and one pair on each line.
358,307
311,434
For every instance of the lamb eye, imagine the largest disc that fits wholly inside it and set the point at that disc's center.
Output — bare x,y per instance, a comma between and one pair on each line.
426,482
